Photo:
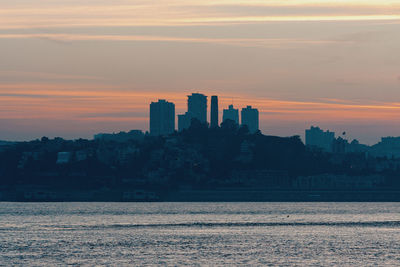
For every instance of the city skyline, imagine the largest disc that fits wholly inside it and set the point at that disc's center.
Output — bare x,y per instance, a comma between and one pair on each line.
197,108
284,129
73,69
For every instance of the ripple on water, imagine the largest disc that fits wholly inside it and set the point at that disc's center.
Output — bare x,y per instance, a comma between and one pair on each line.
345,234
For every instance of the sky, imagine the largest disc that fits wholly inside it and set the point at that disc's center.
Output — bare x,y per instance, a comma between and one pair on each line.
73,68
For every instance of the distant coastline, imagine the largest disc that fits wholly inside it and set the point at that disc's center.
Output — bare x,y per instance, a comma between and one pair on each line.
216,195
200,163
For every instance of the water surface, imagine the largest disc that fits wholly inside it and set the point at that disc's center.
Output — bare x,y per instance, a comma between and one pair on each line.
342,234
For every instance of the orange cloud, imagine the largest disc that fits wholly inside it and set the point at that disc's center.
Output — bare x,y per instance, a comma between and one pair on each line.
243,42
54,101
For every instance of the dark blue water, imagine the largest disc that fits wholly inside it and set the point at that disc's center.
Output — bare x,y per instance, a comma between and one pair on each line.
121,234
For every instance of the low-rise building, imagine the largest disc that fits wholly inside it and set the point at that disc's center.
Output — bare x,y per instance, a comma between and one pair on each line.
338,182
315,137
63,157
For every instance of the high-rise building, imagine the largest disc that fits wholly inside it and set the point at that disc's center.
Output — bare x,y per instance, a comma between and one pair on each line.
231,114
250,118
315,137
197,106
214,112
184,121
162,117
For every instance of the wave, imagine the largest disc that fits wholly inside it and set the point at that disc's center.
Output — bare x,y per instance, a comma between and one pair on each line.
251,224
392,224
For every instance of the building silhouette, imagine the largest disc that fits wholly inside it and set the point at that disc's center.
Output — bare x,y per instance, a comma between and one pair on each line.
231,114
197,107
250,118
340,145
121,136
315,137
214,112
162,117
184,121
388,147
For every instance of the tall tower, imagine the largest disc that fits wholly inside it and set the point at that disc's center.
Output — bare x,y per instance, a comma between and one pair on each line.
197,106
250,118
214,112
231,114
162,117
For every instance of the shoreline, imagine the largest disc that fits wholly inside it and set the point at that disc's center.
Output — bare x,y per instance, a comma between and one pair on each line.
217,195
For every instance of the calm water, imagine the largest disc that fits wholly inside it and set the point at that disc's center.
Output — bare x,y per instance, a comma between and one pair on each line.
342,234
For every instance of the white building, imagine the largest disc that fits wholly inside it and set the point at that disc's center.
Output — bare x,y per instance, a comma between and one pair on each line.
63,157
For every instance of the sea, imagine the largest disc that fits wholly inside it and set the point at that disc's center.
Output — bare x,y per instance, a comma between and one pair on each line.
199,234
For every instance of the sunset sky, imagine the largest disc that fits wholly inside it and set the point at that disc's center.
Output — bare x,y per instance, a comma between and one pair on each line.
73,68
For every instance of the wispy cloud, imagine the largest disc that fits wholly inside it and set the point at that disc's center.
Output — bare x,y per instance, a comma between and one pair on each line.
46,14
244,42
120,104
186,21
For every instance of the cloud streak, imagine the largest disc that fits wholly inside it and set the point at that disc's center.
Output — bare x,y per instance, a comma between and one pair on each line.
227,20
242,42
109,105
44,14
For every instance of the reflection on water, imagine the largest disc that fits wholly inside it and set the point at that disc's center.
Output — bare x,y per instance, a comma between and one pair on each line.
200,233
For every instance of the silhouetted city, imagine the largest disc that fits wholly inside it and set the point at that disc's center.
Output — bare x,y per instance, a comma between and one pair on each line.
199,133
231,161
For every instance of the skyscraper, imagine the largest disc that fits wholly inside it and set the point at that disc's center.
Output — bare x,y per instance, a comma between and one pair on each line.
250,118
214,112
162,117
231,114
197,106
